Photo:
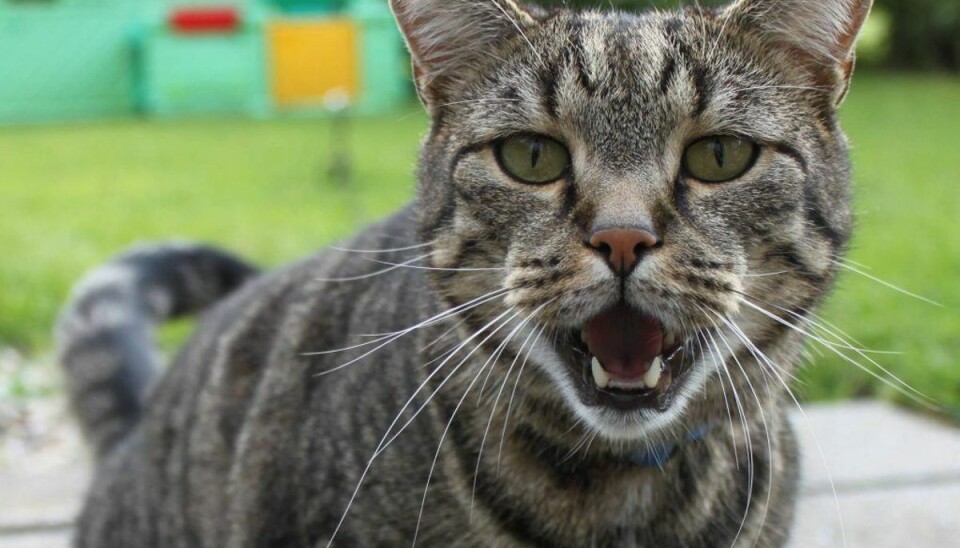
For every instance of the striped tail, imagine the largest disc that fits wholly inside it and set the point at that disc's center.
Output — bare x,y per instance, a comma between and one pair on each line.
105,333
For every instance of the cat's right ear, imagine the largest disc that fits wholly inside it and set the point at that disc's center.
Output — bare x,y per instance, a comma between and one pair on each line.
447,38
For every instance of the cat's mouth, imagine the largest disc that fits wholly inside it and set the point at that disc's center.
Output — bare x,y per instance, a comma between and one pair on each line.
626,360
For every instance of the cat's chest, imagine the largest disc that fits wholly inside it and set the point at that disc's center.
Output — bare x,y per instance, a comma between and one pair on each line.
529,505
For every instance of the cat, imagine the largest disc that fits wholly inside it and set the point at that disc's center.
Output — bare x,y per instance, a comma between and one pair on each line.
580,333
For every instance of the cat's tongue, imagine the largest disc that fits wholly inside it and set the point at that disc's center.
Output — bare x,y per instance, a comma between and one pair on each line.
625,341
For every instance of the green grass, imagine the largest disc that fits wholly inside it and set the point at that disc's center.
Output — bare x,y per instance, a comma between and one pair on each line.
70,197
907,159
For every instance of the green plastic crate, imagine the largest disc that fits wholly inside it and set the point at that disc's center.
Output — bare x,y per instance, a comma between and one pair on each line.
62,64
385,71
183,74
308,6
83,59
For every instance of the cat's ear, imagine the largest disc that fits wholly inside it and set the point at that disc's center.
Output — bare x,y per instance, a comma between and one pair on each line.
822,33
447,37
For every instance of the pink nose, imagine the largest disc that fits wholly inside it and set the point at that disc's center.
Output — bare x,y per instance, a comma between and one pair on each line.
623,247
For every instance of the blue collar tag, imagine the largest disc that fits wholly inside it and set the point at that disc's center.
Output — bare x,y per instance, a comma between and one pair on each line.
654,457
657,456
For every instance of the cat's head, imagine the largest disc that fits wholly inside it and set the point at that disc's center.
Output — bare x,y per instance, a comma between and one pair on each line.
635,200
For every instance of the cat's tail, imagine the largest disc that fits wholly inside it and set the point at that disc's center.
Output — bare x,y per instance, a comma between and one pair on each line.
105,333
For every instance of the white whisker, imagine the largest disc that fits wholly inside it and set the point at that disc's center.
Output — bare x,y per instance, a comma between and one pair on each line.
393,337
493,407
747,431
766,427
896,383
495,100
885,283
438,269
516,383
769,274
446,430
456,368
379,251
396,419
761,357
374,274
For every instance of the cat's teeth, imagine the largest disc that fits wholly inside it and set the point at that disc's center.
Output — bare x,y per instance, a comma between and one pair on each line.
652,378
600,375
670,339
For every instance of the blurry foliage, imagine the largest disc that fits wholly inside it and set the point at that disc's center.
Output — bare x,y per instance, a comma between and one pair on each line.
874,46
925,34
903,34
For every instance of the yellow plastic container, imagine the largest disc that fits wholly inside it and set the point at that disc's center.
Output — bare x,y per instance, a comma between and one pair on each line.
313,60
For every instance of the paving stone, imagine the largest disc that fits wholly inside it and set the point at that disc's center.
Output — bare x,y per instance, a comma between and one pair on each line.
924,516
44,469
46,539
44,499
897,477
870,445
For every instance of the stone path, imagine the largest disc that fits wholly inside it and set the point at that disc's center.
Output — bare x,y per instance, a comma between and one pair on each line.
896,477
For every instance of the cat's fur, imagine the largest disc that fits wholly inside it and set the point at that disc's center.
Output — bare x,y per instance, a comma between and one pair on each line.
255,437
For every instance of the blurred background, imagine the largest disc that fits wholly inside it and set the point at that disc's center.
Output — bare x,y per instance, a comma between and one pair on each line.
274,127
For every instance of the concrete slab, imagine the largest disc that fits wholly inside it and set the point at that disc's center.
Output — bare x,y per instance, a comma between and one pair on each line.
47,539
925,516
897,477
896,474
42,500
44,469
871,445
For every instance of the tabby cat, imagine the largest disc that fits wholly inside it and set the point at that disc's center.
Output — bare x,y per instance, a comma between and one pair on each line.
580,333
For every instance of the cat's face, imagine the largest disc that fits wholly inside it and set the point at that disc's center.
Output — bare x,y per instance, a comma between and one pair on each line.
648,198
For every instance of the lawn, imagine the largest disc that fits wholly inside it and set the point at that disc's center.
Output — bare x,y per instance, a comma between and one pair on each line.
906,155
70,197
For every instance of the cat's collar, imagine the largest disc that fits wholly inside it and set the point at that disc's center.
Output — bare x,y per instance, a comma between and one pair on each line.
659,455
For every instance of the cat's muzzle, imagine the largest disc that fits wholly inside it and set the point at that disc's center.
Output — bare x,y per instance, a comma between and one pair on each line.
627,360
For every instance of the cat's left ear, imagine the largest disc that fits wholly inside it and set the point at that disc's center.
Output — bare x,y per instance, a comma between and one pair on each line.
823,33
447,38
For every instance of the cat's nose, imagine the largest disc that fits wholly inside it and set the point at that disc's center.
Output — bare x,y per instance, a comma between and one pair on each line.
623,247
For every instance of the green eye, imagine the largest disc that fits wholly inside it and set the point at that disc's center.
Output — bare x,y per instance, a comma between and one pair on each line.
533,159
719,159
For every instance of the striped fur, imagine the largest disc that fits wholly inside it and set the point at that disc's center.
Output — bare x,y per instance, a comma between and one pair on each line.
423,393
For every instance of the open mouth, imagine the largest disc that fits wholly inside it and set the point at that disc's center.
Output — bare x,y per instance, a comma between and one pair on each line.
626,360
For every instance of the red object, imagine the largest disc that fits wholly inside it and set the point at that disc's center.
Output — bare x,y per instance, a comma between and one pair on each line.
205,20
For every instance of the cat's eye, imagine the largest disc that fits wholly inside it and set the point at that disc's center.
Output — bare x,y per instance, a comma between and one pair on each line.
720,158
533,159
